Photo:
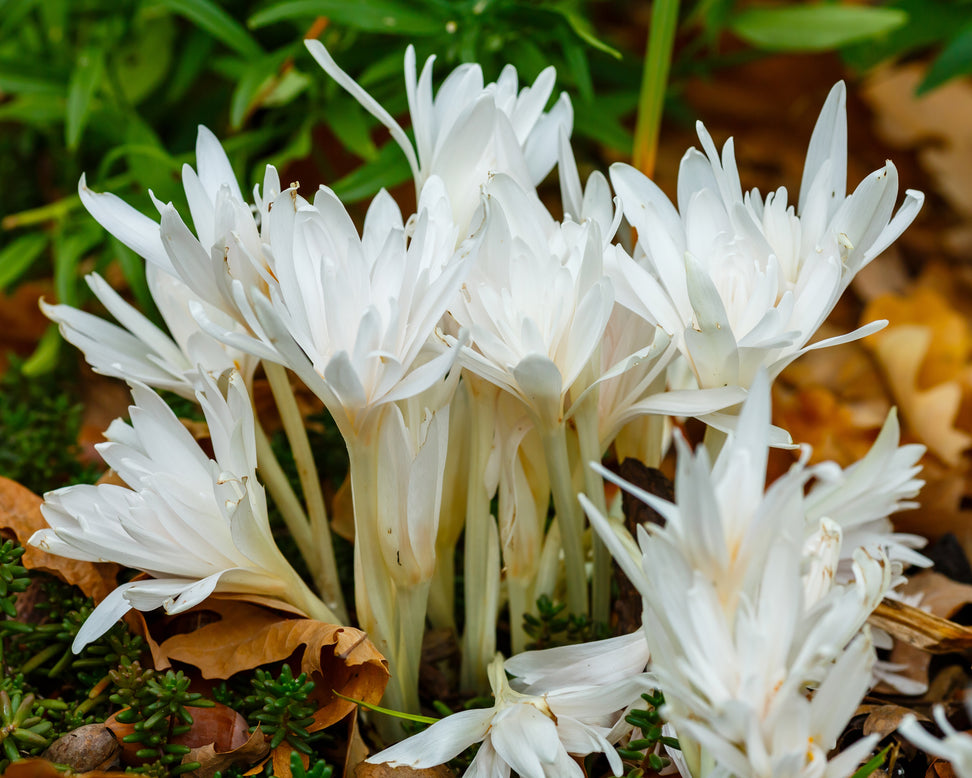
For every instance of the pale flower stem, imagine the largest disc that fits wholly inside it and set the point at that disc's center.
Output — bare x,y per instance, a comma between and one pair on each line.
479,636
274,478
590,451
442,592
410,607
568,511
293,424
301,596
520,603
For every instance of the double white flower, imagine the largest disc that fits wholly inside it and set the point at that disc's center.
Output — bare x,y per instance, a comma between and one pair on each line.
469,130
740,623
195,525
741,282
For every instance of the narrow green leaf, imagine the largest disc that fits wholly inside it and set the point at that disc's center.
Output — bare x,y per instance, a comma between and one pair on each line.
364,15
144,56
955,60
386,711
20,77
19,255
34,110
210,17
43,360
582,29
872,764
386,170
88,71
814,27
351,124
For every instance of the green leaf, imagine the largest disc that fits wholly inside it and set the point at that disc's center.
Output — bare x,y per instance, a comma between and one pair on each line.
19,77
365,15
88,71
143,58
34,110
351,125
44,358
210,17
955,60
872,764
386,711
814,27
69,249
582,29
19,255
386,170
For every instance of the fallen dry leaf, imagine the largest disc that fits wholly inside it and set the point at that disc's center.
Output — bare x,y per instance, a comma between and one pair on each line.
247,636
281,760
41,768
923,630
357,750
940,769
884,719
20,514
212,759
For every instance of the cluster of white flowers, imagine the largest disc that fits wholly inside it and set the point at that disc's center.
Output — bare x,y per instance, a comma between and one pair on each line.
482,347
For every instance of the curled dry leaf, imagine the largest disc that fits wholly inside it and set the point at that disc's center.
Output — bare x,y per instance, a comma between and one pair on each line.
925,355
213,759
247,636
20,514
923,630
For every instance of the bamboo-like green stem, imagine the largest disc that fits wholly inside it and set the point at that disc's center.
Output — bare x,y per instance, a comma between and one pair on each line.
481,535
293,424
569,514
410,608
654,79
589,442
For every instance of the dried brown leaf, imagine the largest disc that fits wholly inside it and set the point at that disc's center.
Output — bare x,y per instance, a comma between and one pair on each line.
91,747
20,514
920,629
357,750
212,759
884,719
41,768
247,636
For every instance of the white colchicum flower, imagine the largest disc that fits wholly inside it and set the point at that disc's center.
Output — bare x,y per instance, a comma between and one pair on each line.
738,624
469,130
195,525
533,735
742,282
954,746
140,351
353,315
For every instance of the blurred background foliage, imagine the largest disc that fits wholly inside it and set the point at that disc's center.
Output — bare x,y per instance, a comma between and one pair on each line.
116,88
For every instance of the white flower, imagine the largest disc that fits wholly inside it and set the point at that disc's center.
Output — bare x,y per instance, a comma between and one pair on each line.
738,624
955,746
195,525
743,283
469,131
140,351
860,498
533,735
352,315
536,303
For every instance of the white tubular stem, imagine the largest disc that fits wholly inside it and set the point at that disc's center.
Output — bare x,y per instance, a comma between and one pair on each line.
520,603
442,593
590,451
479,637
569,514
320,530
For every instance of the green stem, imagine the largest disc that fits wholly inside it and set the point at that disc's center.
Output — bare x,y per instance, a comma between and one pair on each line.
651,100
293,424
569,514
